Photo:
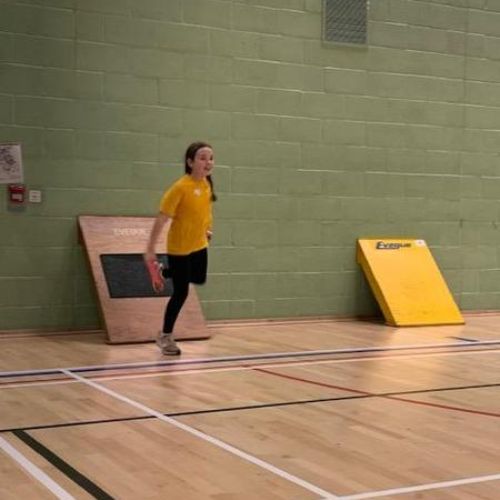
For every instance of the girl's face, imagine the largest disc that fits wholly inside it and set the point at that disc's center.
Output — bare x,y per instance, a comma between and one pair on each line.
203,163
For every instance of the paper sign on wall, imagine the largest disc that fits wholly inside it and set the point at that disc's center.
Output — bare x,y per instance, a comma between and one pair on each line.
11,165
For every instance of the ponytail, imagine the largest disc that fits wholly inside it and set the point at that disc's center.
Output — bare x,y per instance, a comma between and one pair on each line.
211,182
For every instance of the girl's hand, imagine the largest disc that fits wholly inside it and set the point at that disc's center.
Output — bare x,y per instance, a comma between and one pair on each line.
209,235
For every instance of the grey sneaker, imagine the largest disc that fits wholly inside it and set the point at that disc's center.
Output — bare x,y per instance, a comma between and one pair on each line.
167,344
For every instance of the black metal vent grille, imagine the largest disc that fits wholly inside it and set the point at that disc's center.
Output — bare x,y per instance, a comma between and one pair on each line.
345,21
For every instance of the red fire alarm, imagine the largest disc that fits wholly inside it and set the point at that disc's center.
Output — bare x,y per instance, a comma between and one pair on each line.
17,193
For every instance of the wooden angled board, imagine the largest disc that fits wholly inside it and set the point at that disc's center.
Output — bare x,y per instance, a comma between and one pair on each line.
407,282
131,311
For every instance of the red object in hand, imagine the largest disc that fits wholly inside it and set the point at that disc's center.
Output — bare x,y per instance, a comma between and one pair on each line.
155,275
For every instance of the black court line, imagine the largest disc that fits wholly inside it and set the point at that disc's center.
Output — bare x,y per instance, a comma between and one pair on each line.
246,407
30,373
249,357
464,339
70,472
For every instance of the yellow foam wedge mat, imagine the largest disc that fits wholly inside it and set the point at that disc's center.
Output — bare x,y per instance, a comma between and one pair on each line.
407,282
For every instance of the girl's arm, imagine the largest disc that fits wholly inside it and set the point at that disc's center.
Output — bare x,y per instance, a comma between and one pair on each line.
160,221
150,254
210,222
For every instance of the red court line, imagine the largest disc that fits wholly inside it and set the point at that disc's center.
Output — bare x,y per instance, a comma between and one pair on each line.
396,398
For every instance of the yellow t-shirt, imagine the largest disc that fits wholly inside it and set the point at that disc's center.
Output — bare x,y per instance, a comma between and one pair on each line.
189,203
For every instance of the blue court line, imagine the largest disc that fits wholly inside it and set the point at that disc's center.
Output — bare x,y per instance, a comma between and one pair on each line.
249,357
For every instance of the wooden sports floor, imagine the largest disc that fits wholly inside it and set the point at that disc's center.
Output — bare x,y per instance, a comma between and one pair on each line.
277,410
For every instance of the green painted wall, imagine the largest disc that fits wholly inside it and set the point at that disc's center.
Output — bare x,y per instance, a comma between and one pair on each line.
316,144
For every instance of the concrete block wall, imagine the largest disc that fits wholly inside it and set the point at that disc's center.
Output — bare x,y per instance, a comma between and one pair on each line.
316,144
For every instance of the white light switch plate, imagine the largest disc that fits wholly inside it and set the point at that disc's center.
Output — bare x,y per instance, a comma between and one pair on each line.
35,196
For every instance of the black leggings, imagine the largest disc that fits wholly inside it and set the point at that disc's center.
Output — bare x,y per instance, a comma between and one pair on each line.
183,269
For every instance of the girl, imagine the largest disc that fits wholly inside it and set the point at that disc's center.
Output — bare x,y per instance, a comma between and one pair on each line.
188,204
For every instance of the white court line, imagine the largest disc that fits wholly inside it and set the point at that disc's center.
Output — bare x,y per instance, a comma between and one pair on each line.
217,442
422,487
32,469
250,357
197,371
